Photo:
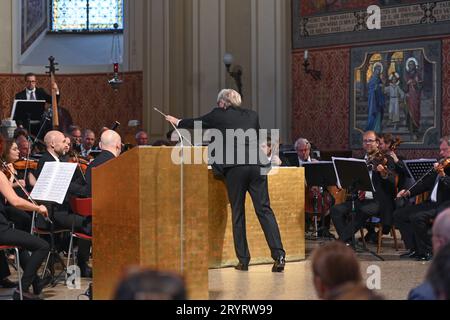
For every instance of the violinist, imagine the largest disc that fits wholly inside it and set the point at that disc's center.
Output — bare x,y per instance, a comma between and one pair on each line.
88,143
414,221
28,243
380,203
57,147
388,146
75,138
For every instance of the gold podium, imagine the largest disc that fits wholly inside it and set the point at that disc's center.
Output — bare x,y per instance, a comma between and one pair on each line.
137,218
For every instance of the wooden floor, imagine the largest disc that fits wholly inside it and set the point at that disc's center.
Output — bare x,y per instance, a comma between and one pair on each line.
398,277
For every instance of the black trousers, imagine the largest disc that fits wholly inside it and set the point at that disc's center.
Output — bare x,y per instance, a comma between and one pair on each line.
342,220
4,267
414,223
21,219
65,220
28,243
239,180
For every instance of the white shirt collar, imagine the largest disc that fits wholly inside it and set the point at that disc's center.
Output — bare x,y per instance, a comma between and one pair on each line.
55,157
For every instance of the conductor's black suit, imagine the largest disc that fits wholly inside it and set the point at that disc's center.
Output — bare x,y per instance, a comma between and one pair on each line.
242,173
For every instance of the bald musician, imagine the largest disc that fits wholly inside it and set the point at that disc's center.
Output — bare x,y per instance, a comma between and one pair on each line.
111,146
57,146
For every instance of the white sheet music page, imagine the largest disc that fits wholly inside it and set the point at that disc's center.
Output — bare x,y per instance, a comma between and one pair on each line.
54,182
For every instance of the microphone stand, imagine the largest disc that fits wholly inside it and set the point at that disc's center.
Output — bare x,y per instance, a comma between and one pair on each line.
182,233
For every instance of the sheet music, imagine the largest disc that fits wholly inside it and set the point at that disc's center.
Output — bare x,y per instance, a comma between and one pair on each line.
54,182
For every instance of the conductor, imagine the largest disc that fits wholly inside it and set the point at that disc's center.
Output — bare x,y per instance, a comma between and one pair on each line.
241,176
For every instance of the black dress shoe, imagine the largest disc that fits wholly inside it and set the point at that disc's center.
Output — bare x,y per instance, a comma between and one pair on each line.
424,257
326,234
410,254
26,296
8,284
39,284
241,267
278,265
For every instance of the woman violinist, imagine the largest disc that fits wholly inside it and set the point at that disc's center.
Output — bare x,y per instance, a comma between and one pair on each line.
24,240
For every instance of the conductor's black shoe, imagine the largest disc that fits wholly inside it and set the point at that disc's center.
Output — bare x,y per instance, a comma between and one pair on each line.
326,234
410,254
8,284
26,295
424,257
241,267
278,265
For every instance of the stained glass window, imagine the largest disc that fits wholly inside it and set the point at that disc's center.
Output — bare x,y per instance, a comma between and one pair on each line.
86,15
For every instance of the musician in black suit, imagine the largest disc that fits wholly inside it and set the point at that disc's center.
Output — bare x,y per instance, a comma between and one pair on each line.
241,173
57,146
111,145
379,203
32,92
415,221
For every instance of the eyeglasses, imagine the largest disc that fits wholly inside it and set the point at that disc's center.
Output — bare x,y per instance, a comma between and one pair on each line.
368,141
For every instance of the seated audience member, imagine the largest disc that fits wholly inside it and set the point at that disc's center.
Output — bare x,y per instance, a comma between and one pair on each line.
335,268
440,238
151,285
352,291
439,274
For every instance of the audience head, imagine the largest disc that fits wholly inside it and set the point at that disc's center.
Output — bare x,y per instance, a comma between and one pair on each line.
30,81
441,230
445,147
112,142
229,98
439,273
56,143
141,138
88,139
303,148
141,284
334,265
353,291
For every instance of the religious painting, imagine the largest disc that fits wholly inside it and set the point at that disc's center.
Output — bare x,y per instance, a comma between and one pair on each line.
397,89
34,21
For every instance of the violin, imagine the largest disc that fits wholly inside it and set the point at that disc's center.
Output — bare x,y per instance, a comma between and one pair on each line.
395,144
26,164
443,164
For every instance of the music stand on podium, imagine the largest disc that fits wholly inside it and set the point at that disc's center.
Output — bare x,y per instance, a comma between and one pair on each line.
50,190
29,114
353,175
322,175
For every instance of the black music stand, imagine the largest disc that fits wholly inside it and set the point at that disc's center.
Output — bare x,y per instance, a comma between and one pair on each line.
322,175
418,168
353,175
29,113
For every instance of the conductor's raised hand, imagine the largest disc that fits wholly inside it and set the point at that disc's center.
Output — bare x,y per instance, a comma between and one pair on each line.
172,120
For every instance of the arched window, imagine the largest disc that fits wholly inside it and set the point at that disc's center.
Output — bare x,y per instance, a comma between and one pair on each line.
86,15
